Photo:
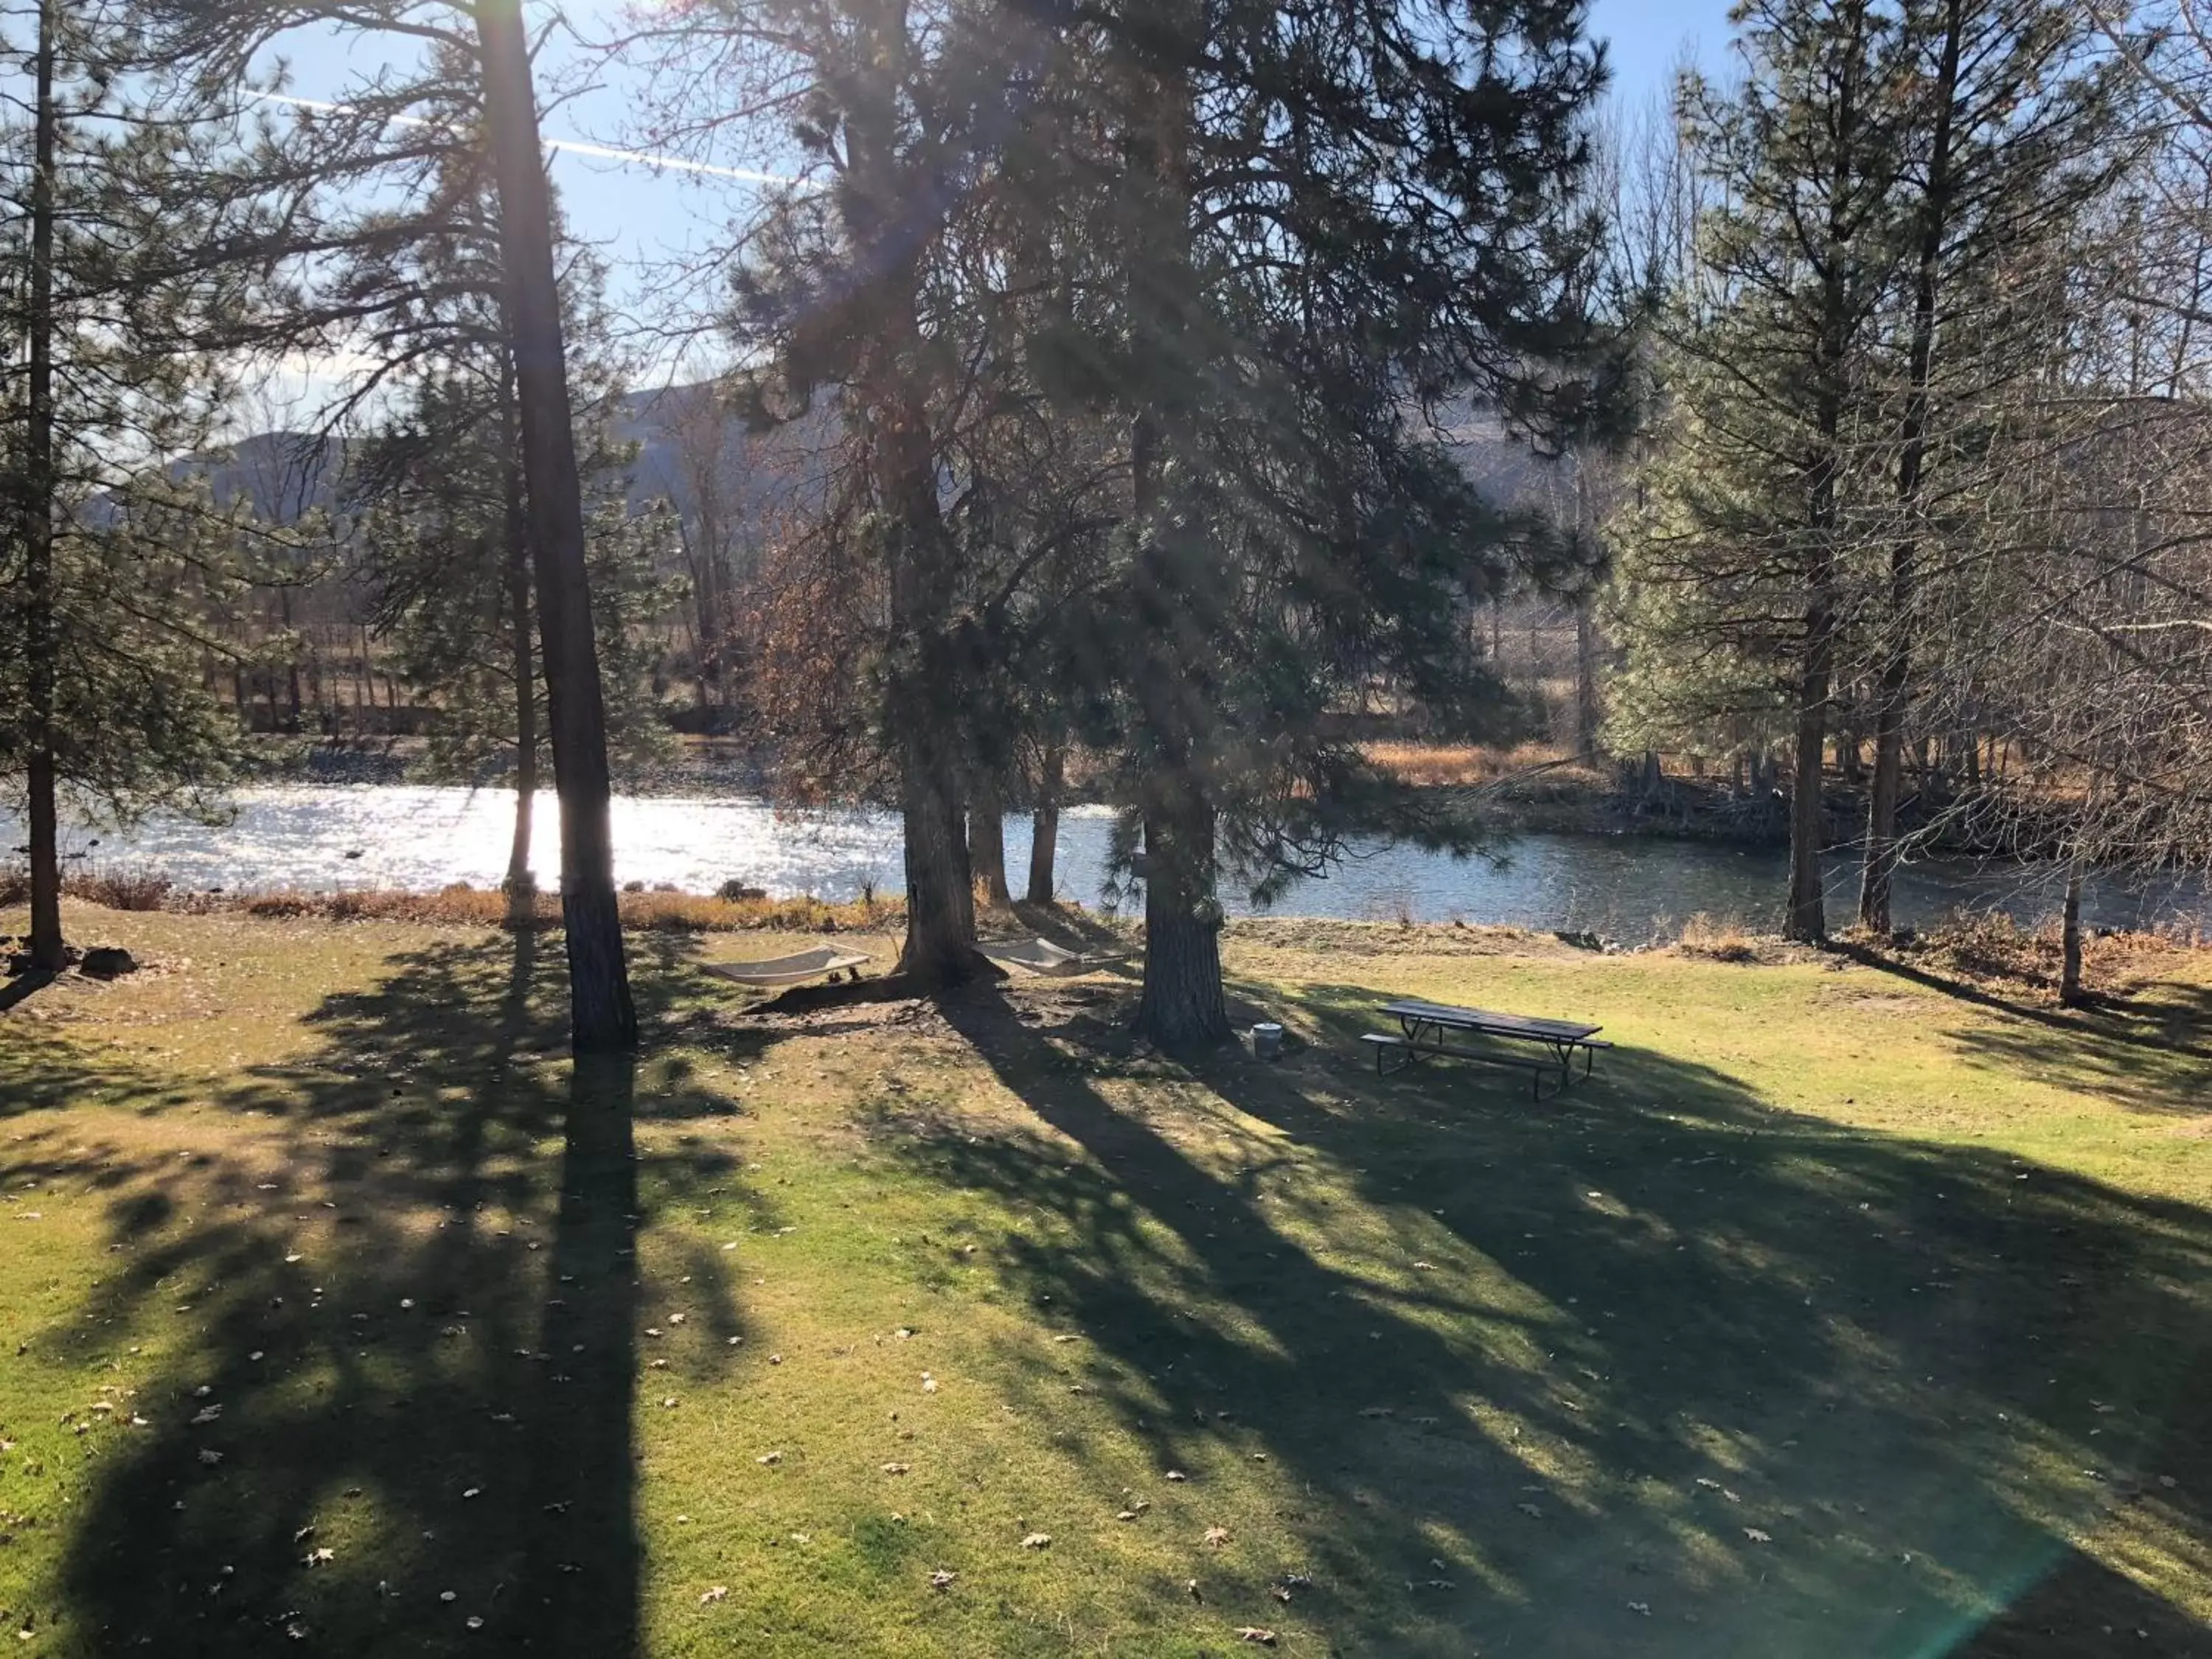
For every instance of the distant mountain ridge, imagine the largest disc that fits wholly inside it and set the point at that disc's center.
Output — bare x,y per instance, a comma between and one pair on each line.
683,442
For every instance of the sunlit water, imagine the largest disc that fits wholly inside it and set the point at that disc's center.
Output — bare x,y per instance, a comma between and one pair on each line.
1629,888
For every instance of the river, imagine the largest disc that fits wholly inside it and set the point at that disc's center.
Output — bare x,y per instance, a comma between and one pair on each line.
1627,887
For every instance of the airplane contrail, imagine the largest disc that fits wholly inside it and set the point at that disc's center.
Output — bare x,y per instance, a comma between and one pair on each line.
573,146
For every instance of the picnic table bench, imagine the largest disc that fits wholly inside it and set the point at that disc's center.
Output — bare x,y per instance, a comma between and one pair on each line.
1424,1031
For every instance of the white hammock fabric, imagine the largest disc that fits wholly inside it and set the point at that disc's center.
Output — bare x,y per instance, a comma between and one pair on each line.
1042,956
795,969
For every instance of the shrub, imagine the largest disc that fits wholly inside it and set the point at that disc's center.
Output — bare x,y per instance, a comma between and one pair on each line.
1716,940
120,889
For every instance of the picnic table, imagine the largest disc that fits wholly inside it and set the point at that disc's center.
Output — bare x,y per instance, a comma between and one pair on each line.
1426,1030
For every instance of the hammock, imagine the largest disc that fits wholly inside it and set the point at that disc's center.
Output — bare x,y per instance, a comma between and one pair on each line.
789,970
1039,956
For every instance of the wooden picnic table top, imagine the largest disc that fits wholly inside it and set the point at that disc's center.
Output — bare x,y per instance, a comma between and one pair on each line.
1415,1010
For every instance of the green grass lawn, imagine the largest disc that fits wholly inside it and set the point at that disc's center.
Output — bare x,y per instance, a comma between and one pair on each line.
1840,1314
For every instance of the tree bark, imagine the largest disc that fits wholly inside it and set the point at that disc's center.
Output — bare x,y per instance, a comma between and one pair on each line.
2069,972
940,895
1806,918
987,846
1044,825
1881,850
1183,1003
1586,704
48,951
522,883
601,1015
923,684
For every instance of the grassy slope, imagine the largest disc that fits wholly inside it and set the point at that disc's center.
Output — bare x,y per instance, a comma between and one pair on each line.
1834,1313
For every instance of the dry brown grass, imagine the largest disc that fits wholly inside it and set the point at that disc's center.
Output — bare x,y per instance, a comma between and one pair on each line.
681,912
1996,951
1717,940
1460,763
118,889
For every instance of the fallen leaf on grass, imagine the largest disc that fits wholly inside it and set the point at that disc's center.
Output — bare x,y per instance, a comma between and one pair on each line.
1217,1536
1531,1510
316,1558
895,1468
1266,1638
206,1414
941,1579
209,1457
720,1592
928,1383
1757,1536
769,1457
1037,1540
1430,1583
1178,1474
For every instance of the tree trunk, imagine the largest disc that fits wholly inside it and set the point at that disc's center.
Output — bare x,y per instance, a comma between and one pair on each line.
2069,973
1183,1002
1586,706
1044,826
1875,884
924,684
48,951
291,662
601,1016
522,883
940,893
987,846
1808,918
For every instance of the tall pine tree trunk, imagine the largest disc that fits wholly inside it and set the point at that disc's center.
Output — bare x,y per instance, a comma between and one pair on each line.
940,896
922,693
601,1016
1806,918
1875,884
1183,1002
923,686
986,845
1044,825
40,643
522,883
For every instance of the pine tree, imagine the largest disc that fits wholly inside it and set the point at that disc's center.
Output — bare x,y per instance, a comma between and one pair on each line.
1317,225
2011,122
1735,570
439,485
335,164
113,307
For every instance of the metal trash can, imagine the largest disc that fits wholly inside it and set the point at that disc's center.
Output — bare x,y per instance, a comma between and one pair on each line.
1266,1041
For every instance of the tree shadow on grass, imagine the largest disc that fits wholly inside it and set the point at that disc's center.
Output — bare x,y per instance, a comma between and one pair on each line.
2148,1052
1654,1368
383,1355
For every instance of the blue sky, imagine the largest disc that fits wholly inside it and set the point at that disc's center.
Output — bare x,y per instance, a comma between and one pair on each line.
635,216
631,212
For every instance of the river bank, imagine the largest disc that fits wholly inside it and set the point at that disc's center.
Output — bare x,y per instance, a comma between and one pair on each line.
1628,889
